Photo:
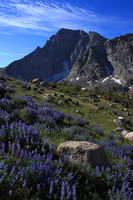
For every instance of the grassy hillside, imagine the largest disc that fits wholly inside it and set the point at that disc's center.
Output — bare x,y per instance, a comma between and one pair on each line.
34,120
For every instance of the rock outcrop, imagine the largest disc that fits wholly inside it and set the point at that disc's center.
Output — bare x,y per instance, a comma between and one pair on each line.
107,64
37,80
83,153
129,136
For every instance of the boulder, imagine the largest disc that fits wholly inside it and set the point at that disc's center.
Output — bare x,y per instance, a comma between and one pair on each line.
85,153
124,132
77,111
112,105
118,129
99,96
91,100
129,136
83,89
37,80
42,84
124,109
49,98
118,122
59,102
121,118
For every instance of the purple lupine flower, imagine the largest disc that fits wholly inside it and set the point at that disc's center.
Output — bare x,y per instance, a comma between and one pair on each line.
62,190
51,187
74,192
24,183
38,187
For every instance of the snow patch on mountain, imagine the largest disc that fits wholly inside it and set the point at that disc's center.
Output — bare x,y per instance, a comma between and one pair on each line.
105,79
117,80
112,78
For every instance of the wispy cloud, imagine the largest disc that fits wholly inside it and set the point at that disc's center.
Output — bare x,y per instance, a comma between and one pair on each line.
5,33
49,16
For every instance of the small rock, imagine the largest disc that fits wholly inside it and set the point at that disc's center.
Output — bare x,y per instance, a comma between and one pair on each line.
37,80
118,129
77,111
83,89
99,96
112,105
124,132
83,153
124,109
42,84
91,100
121,118
76,103
59,102
129,136
118,122
48,97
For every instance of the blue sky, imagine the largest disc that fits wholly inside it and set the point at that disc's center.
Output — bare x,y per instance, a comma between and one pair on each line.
26,24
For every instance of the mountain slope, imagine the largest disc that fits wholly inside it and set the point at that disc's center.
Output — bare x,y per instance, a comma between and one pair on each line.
52,62
120,54
110,58
79,58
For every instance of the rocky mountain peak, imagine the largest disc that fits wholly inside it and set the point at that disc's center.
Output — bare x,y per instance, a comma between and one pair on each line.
95,38
79,57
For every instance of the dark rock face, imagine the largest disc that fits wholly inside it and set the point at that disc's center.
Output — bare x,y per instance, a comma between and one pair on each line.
80,58
51,60
120,54
105,58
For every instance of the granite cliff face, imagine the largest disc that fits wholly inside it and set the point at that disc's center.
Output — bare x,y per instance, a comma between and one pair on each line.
53,61
105,62
120,54
80,58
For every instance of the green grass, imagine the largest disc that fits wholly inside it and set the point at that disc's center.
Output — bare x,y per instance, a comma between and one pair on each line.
86,110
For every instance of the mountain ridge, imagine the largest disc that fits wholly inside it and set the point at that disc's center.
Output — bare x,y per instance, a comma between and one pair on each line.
77,57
